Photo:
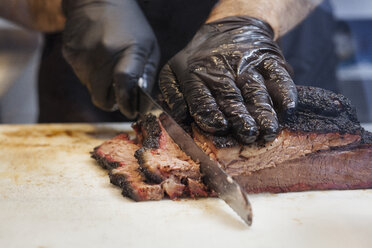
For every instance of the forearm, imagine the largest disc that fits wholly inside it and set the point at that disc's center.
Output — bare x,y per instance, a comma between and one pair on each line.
41,15
282,15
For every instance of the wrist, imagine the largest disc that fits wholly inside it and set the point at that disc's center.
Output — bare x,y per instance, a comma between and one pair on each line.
282,15
244,8
239,22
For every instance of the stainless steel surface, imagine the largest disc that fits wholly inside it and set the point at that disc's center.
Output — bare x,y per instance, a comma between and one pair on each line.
214,176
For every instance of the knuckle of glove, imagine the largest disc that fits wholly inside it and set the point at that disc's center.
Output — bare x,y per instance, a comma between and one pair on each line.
280,85
173,95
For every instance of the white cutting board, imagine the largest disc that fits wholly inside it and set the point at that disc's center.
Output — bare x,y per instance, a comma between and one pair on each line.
52,194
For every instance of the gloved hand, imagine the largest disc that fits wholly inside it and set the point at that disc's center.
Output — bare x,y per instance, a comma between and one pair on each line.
228,78
110,45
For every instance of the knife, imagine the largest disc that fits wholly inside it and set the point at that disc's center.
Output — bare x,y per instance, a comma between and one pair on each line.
214,176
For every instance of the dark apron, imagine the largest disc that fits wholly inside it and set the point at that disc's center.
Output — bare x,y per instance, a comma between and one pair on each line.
62,98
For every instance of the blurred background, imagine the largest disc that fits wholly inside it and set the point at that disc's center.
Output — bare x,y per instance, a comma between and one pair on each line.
20,51
353,44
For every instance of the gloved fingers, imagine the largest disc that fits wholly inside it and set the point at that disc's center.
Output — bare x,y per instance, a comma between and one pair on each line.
172,94
97,80
231,103
258,103
127,72
150,69
100,88
202,105
280,86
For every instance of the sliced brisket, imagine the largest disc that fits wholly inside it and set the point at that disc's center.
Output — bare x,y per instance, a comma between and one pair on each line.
151,166
116,155
321,146
164,162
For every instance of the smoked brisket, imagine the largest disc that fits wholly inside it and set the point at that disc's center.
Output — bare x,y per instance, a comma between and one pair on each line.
321,146
116,155
151,165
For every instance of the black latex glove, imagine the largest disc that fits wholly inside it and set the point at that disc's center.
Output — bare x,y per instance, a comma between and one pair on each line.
228,78
110,45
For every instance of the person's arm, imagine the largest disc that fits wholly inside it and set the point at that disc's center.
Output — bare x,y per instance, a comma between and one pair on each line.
281,15
40,15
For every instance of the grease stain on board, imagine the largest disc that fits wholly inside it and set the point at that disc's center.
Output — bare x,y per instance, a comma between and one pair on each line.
33,153
298,221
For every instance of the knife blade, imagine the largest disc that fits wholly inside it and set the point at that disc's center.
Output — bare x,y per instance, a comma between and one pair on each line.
214,176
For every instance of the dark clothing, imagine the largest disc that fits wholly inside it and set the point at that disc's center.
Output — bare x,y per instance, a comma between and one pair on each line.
175,22
62,98
310,51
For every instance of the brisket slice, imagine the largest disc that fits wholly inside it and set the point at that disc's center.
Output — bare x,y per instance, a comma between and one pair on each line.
151,166
162,161
116,155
